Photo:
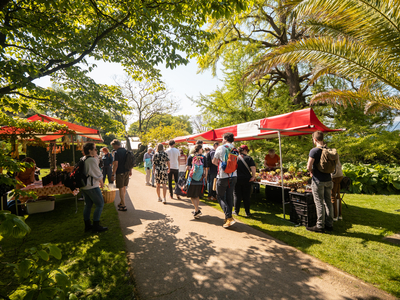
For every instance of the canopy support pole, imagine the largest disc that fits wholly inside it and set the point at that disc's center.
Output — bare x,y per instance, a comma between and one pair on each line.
280,161
73,149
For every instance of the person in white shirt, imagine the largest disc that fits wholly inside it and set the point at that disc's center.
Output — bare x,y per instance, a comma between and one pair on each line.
225,181
91,191
173,155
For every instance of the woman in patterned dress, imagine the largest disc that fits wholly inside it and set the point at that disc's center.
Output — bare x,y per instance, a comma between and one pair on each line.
161,169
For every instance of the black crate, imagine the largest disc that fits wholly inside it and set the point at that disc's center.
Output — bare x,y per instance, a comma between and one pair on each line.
273,193
304,214
306,198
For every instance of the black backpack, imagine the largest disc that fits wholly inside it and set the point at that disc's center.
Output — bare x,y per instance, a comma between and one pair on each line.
129,160
77,178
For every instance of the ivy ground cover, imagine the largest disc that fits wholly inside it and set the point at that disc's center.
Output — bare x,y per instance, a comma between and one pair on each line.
96,262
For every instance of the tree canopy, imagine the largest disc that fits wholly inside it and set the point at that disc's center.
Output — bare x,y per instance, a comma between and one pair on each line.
353,39
60,39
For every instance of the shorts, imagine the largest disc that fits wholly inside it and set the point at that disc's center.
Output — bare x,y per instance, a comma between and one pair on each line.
122,180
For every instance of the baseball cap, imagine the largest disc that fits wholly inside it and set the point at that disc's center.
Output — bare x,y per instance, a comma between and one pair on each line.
244,147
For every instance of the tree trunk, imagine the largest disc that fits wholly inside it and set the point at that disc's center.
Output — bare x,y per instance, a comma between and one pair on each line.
293,83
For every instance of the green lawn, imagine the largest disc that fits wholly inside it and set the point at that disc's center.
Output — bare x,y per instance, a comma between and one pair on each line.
356,245
97,262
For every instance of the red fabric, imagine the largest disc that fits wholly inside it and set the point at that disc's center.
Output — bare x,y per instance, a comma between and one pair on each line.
79,130
303,120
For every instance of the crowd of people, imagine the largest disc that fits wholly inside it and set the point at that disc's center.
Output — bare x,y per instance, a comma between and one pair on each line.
204,170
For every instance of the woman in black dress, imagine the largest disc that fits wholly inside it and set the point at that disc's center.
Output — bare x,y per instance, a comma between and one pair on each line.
246,173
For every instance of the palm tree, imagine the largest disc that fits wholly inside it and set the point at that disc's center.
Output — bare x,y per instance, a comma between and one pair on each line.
355,39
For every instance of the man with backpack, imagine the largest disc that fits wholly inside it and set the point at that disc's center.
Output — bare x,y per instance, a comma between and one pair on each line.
120,172
321,185
226,159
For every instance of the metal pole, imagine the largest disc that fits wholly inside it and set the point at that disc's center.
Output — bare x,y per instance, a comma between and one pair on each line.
73,149
280,159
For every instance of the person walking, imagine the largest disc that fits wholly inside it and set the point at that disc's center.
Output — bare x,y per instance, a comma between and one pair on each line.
225,181
321,186
173,155
148,164
161,167
212,172
91,191
120,174
246,174
182,163
337,178
197,164
107,165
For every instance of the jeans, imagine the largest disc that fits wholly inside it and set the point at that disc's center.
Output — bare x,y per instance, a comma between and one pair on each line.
225,188
172,172
242,192
322,198
107,171
152,177
211,178
92,196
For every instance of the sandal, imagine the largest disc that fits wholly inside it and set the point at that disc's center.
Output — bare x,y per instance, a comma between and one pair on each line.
119,205
122,208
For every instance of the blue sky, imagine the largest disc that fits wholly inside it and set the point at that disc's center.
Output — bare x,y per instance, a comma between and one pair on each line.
183,81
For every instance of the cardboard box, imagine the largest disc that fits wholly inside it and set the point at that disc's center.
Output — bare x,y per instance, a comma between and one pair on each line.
39,206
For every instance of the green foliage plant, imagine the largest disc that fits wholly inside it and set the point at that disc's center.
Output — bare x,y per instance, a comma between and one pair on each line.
34,280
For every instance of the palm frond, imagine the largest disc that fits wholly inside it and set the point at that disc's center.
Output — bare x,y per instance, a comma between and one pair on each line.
371,100
348,58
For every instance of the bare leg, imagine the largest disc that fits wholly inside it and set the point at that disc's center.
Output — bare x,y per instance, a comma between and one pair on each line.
195,202
158,189
122,192
165,190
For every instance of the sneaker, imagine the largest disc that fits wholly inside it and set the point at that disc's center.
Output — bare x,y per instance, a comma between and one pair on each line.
159,199
328,228
316,229
248,215
229,222
340,218
335,219
148,184
235,213
197,214
178,197
164,201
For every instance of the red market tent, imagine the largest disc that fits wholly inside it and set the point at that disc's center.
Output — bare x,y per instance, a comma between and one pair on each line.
299,122
79,130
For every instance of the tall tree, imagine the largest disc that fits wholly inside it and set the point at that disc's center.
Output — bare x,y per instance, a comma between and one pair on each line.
164,120
41,38
354,39
147,100
260,29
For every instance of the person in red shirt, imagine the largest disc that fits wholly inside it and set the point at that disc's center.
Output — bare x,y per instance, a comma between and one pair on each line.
272,160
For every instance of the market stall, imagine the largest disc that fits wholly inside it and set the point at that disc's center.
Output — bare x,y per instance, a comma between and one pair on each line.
295,123
28,136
